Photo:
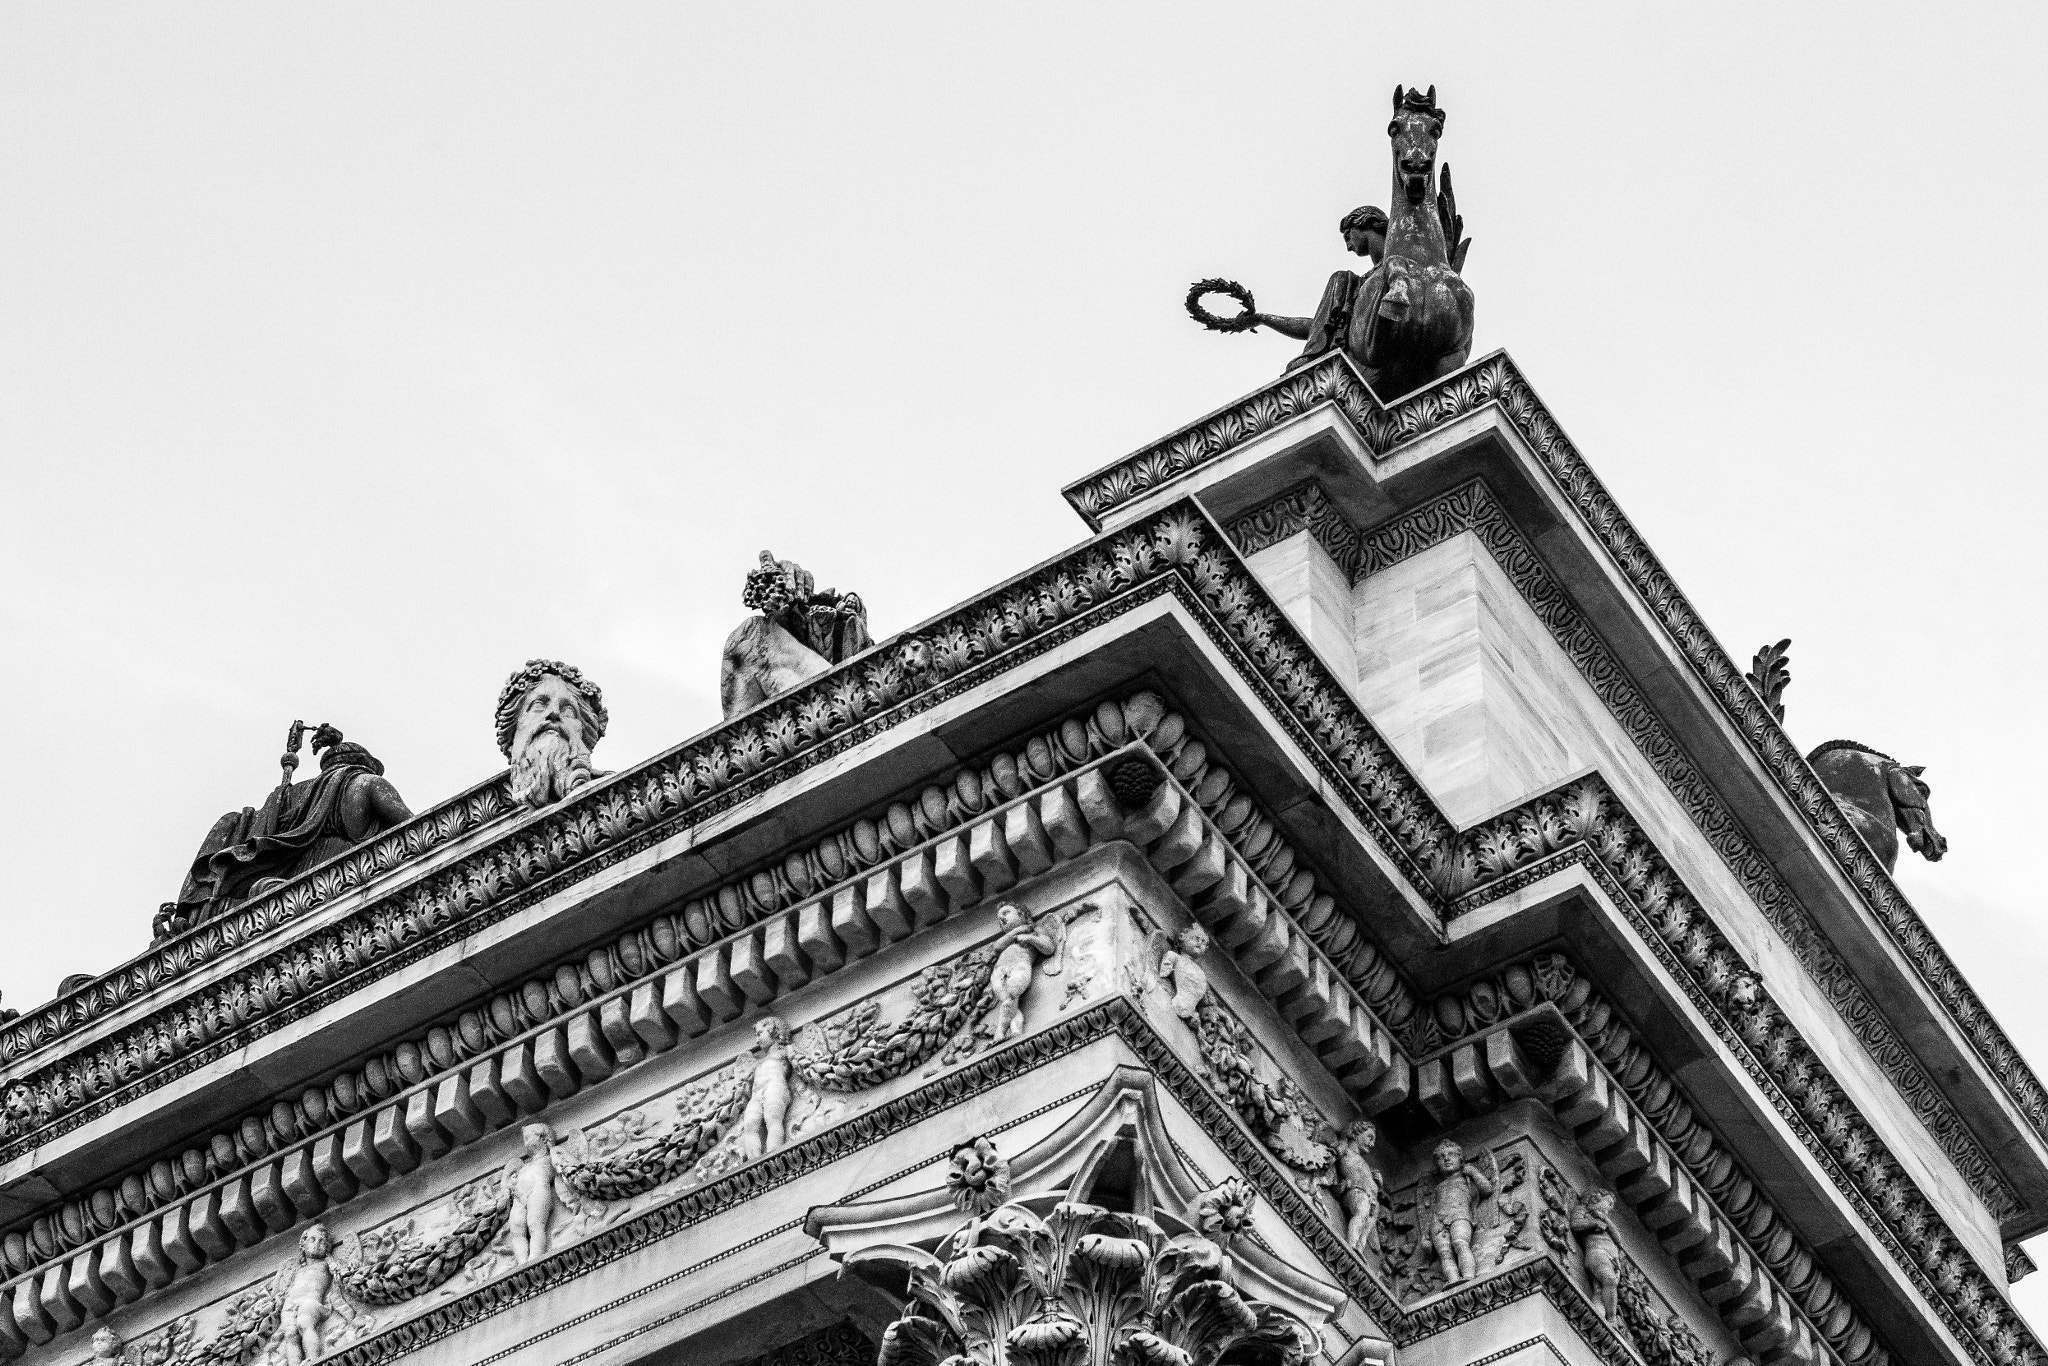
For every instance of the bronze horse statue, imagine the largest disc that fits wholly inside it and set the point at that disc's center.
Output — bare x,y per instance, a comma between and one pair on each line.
1880,796
1409,320
1412,319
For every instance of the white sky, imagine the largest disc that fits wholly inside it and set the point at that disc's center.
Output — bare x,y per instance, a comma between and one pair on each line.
351,355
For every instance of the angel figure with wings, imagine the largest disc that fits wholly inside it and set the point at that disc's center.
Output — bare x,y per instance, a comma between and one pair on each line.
1455,1204
309,1304
1023,943
1177,965
1355,1184
538,1194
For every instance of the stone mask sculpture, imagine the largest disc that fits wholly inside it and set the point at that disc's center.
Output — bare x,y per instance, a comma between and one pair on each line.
1409,320
549,718
299,826
798,634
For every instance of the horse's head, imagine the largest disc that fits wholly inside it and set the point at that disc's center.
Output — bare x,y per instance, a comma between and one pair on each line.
1416,126
1909,792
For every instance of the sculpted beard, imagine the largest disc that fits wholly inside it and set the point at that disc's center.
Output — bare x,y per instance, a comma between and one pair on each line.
548,768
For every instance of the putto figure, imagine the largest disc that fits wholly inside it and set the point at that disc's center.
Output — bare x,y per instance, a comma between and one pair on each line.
1460,1186
1358,1185
299,826
798,634
1593,1223
764,1125
308,1301
1180,969
537,1192
1018,950
549,718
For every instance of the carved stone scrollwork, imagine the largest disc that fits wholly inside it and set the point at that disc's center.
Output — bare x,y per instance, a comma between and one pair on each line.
1047,1282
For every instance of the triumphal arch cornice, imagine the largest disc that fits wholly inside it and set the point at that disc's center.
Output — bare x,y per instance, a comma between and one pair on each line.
1663,964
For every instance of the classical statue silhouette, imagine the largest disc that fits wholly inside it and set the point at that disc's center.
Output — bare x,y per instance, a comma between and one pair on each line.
797,634
1409,320
299,825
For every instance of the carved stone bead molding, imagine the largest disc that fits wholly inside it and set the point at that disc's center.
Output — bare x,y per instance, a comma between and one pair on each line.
1493,849
1494,381
1180,552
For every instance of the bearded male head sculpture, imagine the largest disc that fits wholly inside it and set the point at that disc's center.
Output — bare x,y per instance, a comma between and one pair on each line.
549,719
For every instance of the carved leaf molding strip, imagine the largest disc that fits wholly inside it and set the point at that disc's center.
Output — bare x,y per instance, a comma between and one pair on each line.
1495,380
1495,848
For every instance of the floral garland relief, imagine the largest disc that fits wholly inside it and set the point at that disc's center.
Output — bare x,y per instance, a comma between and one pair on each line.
559,1191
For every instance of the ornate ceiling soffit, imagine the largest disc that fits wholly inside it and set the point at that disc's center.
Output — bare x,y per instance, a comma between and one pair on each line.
1503,845
1494,381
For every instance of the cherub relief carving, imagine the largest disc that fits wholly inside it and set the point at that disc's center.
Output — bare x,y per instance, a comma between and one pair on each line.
538,1194
1452,1203
1592,1223
764,1123
1021,946
308,1302
1179,969
1357,1185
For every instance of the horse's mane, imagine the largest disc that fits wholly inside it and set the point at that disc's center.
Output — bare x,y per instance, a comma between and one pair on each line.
1831,746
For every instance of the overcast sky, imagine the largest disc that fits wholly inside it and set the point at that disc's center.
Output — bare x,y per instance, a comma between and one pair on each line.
352,355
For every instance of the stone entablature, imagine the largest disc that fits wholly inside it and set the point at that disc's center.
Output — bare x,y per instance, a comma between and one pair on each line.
1135,483
1270,625
1177,553
1177,831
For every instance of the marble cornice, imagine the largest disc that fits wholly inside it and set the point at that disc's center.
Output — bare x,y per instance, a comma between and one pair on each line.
1178,550
1500,845
1494,382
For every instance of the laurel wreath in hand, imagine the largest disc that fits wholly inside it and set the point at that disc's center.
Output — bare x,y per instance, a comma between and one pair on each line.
1241,322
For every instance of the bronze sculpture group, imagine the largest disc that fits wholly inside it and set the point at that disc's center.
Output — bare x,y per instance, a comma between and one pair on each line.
1408,320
